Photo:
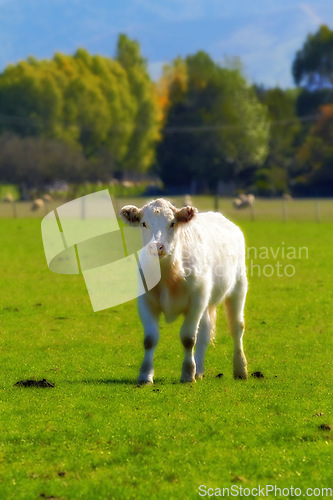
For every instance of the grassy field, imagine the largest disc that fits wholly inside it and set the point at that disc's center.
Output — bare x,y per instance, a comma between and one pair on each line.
96,435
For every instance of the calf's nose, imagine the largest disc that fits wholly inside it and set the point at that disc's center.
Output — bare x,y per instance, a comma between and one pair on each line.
160,249
156,248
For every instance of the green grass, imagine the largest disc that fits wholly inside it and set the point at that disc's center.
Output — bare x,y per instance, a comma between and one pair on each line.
9,189
96,435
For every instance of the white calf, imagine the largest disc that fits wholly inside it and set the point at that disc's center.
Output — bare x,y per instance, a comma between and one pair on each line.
202,259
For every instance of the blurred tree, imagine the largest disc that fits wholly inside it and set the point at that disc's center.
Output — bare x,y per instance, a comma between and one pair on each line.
313,71
36,161
316,157
313,64
93,103
273,177
142,142
30,100
215,128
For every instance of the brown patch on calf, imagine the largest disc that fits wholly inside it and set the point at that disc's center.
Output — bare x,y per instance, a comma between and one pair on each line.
173,278
185,214
148,342
130,214
229,312
188,342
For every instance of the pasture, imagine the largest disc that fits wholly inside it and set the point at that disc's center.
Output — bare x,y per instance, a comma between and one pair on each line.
97,435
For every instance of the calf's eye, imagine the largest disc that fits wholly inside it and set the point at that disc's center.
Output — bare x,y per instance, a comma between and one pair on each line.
172,224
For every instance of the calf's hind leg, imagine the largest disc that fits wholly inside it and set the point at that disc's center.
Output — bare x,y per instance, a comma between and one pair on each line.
207,324
235,303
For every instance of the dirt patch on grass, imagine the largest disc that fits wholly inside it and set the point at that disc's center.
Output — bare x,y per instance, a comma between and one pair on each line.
257,375
34,383
325,427
46,497
238,479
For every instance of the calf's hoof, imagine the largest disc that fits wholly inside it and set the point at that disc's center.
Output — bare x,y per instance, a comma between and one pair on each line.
187,378
145,380
240,374
240,366
188,372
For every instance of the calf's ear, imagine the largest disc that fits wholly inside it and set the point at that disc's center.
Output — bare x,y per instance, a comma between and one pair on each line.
185,214
131,215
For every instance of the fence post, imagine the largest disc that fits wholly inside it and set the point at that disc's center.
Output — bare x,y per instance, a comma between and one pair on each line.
252,212
14,210
317,205
284,210
216,202
217,195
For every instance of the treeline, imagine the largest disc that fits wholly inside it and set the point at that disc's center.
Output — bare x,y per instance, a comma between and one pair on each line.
201,127
78,117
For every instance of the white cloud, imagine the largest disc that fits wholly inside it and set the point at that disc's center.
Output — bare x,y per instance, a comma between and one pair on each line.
309,11
267,44
250,38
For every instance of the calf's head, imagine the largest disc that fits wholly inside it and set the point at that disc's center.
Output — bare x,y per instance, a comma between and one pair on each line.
160,221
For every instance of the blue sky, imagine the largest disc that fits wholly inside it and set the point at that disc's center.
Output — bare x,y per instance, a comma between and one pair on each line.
265,34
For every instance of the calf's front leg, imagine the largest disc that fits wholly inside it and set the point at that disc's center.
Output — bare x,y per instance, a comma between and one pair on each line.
149,320
188,335
206,326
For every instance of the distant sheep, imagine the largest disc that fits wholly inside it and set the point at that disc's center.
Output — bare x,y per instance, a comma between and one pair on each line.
37,204
47,198
243,201
8,198
236,202
127,184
